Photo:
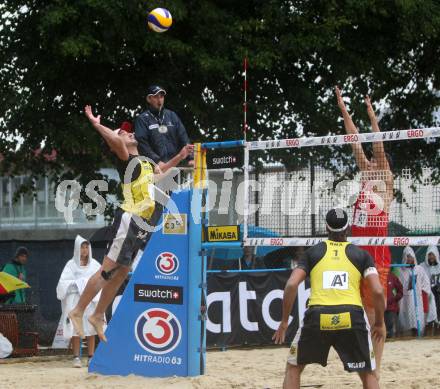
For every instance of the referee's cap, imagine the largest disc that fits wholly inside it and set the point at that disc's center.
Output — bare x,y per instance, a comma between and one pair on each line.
153,90
336,220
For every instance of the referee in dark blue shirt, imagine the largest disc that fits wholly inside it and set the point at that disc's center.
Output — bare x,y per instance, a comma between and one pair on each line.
159,131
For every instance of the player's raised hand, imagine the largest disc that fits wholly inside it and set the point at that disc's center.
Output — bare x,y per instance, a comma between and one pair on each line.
371,115
93,119
186,150
339,98
370,109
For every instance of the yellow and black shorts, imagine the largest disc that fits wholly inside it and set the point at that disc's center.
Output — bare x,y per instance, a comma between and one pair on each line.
127,236
344,327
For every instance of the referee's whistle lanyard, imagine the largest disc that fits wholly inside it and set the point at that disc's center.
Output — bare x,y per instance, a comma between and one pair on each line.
163,129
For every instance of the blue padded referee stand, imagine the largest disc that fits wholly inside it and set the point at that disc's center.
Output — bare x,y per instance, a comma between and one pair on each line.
157,329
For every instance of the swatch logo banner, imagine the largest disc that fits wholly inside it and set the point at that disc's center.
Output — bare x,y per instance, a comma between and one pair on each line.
159,294
223,159
167,263
158,331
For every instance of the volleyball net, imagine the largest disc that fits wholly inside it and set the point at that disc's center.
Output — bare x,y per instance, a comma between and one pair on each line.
290,184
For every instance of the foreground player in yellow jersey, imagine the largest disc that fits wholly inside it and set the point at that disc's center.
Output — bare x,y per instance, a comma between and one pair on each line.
335,316
129,234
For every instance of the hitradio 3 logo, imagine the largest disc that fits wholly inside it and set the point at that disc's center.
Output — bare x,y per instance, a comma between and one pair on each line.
167,263
158,331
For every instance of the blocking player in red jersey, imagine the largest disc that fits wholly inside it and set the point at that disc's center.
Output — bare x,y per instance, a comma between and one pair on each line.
371,210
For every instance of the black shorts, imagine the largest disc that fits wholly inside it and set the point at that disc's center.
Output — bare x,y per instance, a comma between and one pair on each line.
344,327
127,237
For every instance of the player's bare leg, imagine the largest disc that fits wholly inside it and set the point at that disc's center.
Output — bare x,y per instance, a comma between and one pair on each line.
111,287
369,380
292,377
94,285
76,318
98,323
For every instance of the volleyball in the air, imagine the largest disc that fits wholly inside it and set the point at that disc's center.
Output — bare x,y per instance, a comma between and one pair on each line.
160,20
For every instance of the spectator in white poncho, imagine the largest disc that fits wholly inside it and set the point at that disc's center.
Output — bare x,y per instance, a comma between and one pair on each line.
5,347
71,285
407,306
432,269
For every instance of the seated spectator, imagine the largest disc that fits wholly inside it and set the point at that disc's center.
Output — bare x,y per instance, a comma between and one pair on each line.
432,269
394,294
299,251
247,261
411,314
16,267
71,285
281,258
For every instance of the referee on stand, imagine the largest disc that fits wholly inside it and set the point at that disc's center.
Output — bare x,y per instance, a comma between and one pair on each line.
159,131
160,135
335,316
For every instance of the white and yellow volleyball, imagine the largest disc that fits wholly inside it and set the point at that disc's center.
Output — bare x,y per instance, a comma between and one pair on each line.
160,20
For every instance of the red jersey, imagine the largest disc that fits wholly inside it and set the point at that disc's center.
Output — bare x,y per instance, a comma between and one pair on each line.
369,219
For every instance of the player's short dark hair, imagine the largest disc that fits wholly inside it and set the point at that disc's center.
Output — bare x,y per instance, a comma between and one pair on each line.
336,220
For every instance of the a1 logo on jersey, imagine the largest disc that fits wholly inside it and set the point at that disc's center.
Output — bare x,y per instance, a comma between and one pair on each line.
335,280
158,331
167,263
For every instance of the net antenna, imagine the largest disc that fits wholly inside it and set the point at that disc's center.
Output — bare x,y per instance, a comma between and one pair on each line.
245,86
246,153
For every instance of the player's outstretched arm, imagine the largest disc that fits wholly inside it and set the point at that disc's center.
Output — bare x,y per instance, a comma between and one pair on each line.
115,143
378,330
350,128
164,167
378,149
290,291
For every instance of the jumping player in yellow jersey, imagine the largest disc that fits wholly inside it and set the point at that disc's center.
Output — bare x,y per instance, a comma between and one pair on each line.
137,175
335,316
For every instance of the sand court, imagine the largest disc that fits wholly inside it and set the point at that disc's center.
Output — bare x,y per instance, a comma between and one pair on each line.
407,364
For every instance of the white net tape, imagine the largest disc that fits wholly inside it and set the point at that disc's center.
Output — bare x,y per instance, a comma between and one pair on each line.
361,241
332,140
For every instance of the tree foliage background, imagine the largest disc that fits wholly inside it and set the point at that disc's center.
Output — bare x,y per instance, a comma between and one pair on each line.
58,55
